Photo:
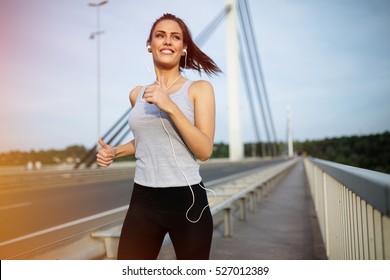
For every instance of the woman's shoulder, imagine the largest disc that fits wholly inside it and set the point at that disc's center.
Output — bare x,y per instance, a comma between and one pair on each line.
200,90
201,85
134,94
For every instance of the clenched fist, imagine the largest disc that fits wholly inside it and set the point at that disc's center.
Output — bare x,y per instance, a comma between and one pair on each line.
105,155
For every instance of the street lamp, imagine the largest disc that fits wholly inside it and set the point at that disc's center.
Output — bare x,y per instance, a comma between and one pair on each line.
96,35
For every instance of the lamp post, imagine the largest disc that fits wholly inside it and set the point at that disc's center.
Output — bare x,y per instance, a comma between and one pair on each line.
290,150
96,35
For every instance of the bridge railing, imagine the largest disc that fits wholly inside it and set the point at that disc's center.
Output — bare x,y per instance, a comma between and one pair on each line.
353,209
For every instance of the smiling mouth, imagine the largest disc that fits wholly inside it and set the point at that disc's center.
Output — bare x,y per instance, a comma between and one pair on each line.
166,51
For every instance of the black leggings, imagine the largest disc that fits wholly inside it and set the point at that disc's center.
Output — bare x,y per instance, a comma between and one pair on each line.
153,212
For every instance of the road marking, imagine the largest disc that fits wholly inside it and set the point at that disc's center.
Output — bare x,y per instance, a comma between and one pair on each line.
113,211
7,207
59,227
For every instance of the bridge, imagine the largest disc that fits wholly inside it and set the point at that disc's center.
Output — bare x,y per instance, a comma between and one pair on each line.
267,207
299,208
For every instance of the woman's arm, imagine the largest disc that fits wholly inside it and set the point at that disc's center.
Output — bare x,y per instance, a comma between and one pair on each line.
200,136
107,153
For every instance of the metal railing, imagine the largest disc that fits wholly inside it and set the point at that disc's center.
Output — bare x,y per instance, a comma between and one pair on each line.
353,209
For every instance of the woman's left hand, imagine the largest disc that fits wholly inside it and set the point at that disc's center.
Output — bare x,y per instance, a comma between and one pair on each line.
158,95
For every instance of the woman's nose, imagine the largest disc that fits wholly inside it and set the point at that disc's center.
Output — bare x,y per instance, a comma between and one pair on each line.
167,40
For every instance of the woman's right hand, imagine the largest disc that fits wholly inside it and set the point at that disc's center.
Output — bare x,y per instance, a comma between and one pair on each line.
105,155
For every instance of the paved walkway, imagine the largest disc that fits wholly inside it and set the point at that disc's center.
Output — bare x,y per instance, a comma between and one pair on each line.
283,228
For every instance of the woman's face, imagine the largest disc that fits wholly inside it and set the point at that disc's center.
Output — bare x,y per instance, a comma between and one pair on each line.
167,43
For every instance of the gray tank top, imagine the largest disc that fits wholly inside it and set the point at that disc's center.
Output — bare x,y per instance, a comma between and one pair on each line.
155,162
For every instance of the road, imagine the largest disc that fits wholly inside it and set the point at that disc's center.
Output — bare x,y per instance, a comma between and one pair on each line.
28,212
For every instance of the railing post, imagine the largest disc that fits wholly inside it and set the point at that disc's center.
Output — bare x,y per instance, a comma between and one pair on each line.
386,232
228,221
349,225
360,227
371,237
243,208
252,201
365,230
355,227
259,193
378,229
326,214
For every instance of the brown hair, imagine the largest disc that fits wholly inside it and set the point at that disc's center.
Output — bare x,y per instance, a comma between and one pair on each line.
196,59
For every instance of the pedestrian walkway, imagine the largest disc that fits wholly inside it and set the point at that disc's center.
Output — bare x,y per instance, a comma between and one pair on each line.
284,227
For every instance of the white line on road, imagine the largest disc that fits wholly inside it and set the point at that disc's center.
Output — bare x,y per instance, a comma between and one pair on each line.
109,212
7,207
73,223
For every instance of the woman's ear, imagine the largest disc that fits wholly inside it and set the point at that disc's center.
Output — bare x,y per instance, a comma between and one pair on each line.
149,47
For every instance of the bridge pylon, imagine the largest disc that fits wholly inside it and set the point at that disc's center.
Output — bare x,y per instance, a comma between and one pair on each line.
236,146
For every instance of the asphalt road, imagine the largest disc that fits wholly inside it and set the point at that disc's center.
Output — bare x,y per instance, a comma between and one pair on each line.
27,211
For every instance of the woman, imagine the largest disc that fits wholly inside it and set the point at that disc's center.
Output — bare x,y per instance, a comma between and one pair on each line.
173,122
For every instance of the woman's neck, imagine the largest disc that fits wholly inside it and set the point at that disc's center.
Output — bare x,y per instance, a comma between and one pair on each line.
170,76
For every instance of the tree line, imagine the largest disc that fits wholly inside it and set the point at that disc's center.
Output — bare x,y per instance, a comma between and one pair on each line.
369,152
68,155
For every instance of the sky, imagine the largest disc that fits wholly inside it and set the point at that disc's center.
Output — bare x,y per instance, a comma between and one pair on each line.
328,60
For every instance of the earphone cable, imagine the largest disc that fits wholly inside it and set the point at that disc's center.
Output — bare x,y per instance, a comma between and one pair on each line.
189,185
182,173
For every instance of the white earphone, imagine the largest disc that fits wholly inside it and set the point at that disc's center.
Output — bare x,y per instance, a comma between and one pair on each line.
149,48
185,177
